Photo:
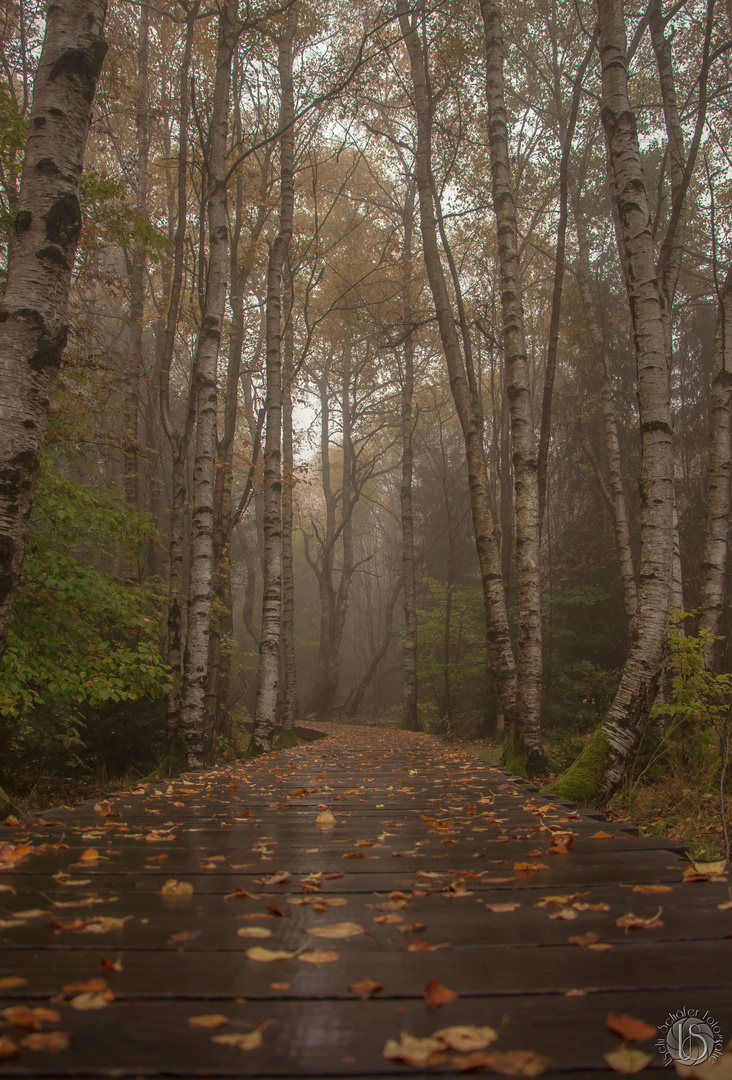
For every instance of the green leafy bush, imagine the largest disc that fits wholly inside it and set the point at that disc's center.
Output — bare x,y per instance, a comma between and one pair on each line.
83,676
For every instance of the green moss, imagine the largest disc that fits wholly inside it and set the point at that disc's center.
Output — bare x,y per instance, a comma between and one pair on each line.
515,755
284,740
584,781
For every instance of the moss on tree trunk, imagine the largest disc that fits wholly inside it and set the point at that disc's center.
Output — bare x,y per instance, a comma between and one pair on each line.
585,781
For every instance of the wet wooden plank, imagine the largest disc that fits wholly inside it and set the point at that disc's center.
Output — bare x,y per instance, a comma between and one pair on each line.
396,798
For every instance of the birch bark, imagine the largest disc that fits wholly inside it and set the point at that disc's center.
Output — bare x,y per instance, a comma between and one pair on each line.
600,768
269,642
719,472
207,350
410,712
33,313
525,461
468,409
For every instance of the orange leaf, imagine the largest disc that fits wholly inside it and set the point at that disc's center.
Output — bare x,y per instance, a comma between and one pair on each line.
637,922
435,994
630,1028
365,988
8,1049
50,1042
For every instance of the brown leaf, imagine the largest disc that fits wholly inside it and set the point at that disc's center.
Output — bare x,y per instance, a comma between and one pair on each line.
630,1028
413,1051
90,986
650,889
282,912
111,965
326,820
590,938
208,1020
184,935
240,894
527,867
365,988
516,1062
424,946
602,836
564,913
101,924
12,982
435,994
8,1049
50,1042
510,905
638,922
628,1060
602,906
91,855
335,930
22,1016
253,932
280,986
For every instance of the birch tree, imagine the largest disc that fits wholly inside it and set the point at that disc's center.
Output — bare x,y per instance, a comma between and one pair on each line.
269,643
205,372
33,313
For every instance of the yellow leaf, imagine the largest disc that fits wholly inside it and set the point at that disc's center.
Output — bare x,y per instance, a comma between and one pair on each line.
177,888
208,1020
326,820
319,956
267,956
413,1051
242,1041
253,931
628,1060
467,1037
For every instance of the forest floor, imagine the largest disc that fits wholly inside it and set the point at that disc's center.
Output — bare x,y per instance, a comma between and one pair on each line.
673,805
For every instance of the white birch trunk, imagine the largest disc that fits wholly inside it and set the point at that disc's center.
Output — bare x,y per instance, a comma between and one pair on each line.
269,642
33,313
200,580
525,461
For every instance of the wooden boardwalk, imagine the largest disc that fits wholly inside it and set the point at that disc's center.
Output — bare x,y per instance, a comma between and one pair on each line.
432,865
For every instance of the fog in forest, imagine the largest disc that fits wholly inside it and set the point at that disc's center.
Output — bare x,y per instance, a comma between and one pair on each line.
396,388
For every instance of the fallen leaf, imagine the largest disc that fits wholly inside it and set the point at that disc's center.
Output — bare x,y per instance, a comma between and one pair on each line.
111,965
467,1037
91,855
89,1001
527,867
590,938
22,1016
240,894
630,1028
718,1070
413,1051
564,913
251,1040
267,956
365,988
90,986
277,878
637,922
515,1062
726,905
424,946
12,982
510,905
602,836
253,931
184,935
319,956
326,820
280,986
628,1060
208,1020
435,994
602,906
651,889
335,930
600,946
51,1042
172,887
103,924
8,1049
